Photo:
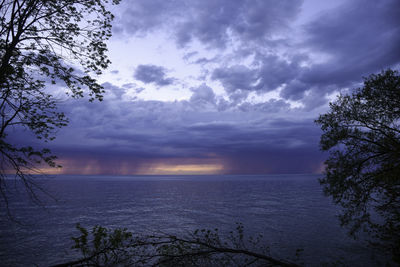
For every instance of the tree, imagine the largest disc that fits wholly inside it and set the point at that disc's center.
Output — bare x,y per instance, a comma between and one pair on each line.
43,43
120,247
362,133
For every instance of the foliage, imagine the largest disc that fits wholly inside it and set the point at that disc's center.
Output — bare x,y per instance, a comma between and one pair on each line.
42,42
105,247
362,133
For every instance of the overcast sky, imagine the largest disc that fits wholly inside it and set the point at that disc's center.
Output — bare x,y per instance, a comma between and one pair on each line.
225,86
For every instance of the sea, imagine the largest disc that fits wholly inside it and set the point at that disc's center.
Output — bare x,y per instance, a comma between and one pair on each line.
289,211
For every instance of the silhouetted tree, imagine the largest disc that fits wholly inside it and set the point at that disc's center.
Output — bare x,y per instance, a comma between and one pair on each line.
119,247
45,42
362,133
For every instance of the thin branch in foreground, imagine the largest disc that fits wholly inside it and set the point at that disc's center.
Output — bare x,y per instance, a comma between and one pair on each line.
104,247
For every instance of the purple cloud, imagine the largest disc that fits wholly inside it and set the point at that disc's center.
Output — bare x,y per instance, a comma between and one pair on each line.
120,131
152,74
210,21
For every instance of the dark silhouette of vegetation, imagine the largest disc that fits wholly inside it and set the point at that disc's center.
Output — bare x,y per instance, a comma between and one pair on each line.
362,133
44,43
105,247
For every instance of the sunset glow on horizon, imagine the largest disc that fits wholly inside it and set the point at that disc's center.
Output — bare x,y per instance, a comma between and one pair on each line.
187,169
93,167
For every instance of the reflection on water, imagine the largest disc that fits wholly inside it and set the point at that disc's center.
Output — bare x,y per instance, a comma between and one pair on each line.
289,210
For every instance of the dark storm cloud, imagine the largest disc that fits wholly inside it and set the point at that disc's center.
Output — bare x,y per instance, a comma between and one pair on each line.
152,74
272,105
115,132
360,36
234,78
203,94
270,73
140,17
357,39
354,42
212,22
275,72
296,160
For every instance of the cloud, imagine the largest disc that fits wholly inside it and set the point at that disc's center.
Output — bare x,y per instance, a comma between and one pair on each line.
119,133
270,106
260,48
270,73
359,39
355,40
141,17
212,22
152,74
274,72
235,78
203,94
215,22
294,90
114,91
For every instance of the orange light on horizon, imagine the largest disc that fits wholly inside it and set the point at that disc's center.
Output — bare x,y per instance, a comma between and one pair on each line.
175,167
166,169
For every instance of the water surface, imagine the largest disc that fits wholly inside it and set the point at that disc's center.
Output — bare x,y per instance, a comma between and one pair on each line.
290,211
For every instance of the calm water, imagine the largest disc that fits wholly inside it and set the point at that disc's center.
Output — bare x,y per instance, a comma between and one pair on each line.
289,210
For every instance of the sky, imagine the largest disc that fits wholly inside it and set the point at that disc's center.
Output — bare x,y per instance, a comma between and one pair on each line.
224,86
